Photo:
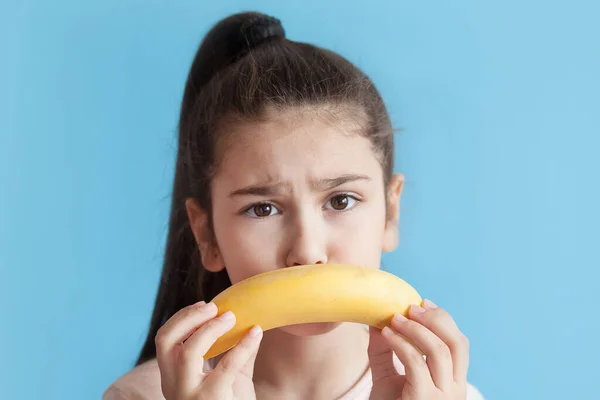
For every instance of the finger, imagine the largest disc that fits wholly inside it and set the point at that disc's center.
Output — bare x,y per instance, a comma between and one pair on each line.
417,371
248,368
439,321
190,362
238,360
178,328
381,356
438,357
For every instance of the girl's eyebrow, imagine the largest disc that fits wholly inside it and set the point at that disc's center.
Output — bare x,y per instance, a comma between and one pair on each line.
330,183
260,190
322,184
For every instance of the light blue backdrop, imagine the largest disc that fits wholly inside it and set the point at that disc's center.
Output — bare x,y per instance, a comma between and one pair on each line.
501,117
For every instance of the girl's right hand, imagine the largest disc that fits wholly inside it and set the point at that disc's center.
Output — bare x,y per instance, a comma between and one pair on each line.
181,344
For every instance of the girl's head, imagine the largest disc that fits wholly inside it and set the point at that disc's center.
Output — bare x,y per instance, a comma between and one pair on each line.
285,157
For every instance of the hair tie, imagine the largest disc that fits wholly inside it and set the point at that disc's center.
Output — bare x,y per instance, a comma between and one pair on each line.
258,30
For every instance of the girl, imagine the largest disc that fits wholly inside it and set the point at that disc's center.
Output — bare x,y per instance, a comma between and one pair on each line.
285,157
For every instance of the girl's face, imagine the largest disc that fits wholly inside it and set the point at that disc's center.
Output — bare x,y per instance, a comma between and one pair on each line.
297,192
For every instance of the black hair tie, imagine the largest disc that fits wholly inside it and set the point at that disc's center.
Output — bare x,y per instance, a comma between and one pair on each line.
255,32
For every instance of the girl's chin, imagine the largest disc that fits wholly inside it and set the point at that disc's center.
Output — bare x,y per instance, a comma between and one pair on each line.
310,329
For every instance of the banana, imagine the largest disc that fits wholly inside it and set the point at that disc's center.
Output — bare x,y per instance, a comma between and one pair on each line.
312,293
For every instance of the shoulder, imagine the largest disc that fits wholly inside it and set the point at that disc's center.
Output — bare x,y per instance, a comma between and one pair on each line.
140,383
473,393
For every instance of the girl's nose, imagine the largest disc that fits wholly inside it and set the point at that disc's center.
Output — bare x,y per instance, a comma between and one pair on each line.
308,242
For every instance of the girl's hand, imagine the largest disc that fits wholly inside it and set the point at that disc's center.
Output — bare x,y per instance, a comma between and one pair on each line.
181,344
441,376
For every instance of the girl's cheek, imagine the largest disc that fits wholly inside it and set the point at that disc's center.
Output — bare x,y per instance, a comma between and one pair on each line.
357,237
251,251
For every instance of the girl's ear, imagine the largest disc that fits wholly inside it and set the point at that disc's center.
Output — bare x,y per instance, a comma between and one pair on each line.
391,234
209,251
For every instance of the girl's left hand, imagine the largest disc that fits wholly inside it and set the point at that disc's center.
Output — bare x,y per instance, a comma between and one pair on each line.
442,375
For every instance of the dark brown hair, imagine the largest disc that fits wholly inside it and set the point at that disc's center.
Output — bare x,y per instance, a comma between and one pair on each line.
244,67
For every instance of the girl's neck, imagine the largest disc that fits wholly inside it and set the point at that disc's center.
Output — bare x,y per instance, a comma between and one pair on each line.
315,367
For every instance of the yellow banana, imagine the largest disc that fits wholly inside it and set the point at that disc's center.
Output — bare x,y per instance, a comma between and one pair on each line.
312,293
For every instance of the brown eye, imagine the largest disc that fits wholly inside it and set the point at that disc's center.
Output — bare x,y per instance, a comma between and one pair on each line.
340,202
262,210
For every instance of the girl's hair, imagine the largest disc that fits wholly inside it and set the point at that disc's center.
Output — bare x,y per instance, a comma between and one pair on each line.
244,67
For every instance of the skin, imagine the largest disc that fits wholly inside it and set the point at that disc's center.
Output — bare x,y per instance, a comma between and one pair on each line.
276,206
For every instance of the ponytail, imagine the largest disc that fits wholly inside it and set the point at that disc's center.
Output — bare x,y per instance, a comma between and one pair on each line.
184,280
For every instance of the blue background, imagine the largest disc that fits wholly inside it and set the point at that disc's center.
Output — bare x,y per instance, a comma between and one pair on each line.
498,102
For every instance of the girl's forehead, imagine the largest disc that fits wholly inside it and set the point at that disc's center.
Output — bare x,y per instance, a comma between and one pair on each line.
274,150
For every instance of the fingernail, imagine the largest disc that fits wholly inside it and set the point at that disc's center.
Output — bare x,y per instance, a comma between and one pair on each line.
255,331
209,308
429,304
200,303
416,309
226,316
387,331
400,318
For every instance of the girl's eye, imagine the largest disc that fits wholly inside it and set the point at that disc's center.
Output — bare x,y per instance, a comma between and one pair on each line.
262,210
342,202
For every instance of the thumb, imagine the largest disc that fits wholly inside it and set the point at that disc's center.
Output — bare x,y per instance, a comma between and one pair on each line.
237,360
381,356
248,368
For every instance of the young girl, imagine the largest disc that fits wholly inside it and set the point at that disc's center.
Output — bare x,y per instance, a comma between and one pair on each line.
285,158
